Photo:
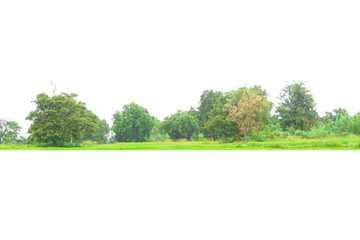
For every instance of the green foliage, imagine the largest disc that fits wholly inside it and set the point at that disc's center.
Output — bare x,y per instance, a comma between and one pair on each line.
133,124
101,134
60,119
157,133
273,131
297,107
197,137
207,100
217,125
355,125
9,132
181,125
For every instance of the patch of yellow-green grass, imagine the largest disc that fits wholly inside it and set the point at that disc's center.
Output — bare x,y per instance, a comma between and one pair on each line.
292,143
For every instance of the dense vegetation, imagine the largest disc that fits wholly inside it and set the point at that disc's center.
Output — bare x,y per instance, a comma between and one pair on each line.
222,117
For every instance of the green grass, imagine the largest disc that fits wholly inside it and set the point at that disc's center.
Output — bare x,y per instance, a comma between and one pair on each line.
291,143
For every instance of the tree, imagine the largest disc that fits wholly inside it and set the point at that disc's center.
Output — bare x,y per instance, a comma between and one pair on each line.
133,124
102,133
217,125
330,117
61,119
248,113
9,131
207,100
181,125
259,91
297,107
157,132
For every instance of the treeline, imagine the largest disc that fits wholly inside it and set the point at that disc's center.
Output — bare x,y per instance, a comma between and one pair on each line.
236,115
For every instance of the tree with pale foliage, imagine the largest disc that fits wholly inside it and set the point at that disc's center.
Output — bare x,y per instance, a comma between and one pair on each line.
9,131
249,114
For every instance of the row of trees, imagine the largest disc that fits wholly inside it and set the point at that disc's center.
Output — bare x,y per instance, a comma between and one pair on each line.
61,120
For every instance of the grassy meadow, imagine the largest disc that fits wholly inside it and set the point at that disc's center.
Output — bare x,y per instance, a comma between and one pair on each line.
290,143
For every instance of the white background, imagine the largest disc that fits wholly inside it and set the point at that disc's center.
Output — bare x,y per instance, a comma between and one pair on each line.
179,195
162,55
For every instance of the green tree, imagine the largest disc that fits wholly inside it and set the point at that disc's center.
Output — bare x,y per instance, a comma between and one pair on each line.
259,91
133,124
193,112
60,119
297,107
9,131
207,100
157,133
181,125
102,133
331,117
217,125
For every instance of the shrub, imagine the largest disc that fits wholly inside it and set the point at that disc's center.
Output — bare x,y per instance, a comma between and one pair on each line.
300,133
71,144
197,137
291,130
259,137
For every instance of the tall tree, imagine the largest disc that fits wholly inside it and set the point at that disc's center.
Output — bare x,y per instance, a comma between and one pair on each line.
9,131
207,100
60,119
248,114
181,125
217,125
297,107
133,124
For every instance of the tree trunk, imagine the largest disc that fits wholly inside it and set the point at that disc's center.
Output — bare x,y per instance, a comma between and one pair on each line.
246,137
237,137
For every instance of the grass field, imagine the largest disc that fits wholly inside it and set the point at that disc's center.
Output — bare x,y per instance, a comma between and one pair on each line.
291,143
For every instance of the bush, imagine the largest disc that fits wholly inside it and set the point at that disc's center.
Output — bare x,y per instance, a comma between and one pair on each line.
48,144
161,137
300,133
197,137
285,134
355,128
291,131
71,145
272,131
259,137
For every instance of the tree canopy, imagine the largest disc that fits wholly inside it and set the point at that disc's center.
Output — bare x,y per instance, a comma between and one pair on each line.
297,107
101,134
250,113
61,119
9,131
181,125
133,124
